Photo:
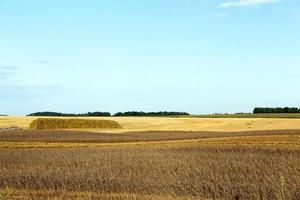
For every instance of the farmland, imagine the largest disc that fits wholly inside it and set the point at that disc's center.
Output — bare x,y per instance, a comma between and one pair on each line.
250,115
149,100
193,123
153,158
183,172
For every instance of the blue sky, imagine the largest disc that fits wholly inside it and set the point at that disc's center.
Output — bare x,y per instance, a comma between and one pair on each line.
198,56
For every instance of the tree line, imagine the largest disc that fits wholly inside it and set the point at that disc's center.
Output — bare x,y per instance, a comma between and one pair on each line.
276,110
58,114
107,114
135,113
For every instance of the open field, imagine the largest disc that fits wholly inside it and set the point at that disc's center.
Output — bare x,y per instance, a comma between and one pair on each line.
206,159
277,141
183,172
44,164
250,115
130,124
73,138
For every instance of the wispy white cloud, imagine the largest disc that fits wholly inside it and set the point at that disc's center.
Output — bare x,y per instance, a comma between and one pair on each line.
247,3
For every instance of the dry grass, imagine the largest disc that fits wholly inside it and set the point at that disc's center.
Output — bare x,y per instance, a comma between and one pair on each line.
51,123
67,136
185,171
57,139
18,194
44,164
176,124
279,141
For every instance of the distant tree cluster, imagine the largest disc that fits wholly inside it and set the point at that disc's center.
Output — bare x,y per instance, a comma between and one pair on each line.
136,113
219,114
276,110
57,114
107,114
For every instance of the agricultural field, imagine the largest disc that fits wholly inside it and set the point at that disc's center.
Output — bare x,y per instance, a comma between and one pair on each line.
250,115
149,100
151,164
193,123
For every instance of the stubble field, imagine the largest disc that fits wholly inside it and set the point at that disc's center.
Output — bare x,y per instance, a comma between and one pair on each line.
130,124
240,164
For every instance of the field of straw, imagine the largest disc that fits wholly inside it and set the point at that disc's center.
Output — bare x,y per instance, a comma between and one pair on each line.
176,124
58,164
48,123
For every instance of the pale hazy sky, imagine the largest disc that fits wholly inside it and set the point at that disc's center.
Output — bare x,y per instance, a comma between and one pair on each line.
199,56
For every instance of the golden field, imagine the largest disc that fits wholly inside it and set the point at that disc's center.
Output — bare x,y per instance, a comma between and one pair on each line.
59,164
129,124
152,158
265,141
174,171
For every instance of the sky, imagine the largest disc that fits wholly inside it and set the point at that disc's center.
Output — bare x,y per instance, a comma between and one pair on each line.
198,56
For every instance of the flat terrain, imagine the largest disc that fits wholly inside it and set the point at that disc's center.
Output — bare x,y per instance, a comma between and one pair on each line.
153,158
51,138
44,164
131,124
250,115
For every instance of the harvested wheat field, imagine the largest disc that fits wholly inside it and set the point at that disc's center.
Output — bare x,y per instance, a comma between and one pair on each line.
130,124
59,164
